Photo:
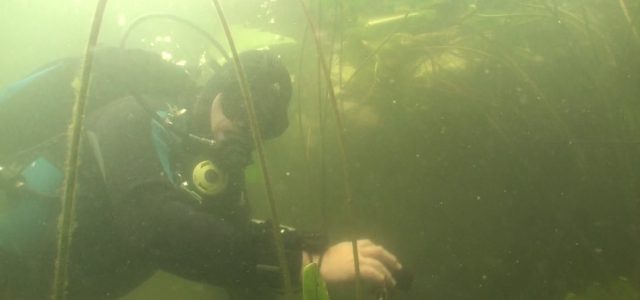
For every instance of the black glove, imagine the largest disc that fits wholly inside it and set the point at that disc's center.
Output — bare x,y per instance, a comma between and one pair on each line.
294,243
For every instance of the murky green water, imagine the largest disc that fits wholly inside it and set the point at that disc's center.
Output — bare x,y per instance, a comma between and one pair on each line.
494,146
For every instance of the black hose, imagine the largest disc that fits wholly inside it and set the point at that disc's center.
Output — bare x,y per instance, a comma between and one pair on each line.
177,19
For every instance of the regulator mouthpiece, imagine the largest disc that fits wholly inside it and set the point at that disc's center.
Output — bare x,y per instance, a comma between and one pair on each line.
208,179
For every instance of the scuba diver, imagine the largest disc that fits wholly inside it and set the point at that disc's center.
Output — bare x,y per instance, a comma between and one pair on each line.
161,182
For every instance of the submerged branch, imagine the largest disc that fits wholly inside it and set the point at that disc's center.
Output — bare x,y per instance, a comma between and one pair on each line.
257,139
66,219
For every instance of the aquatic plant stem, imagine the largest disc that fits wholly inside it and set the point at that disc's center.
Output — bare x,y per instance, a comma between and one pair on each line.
299,97
66,219
366,59
322,121
341,144
257,139
341,49
623,6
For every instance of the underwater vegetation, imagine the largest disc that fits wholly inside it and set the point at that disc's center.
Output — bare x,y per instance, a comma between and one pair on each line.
508,128
501,133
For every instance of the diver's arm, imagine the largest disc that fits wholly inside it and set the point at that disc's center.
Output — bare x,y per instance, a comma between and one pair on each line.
182,239
199,246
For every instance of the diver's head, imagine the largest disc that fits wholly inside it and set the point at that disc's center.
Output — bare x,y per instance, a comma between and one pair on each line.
223,103
220,112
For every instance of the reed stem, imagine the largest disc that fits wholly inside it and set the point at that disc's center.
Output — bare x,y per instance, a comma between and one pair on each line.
258,141
66,219
341,144
623,6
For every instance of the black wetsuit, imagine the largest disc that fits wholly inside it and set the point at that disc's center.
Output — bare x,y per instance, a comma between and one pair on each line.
132,220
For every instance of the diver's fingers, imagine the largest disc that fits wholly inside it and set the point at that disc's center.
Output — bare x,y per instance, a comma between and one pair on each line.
382,274
365,243
381,254
371,274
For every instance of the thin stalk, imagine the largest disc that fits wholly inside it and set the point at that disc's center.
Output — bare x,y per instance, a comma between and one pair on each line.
372,54
341,144
304,137
322,121
299,94
366,59
341,38
623,6
257,139
66,219
335,25
570,17
587,28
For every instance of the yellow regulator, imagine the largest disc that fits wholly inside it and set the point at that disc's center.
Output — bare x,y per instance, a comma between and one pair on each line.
208,179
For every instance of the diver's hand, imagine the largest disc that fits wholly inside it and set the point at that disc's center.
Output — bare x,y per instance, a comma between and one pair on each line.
376,263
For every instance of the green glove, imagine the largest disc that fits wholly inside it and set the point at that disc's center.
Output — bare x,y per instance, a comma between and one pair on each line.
313,286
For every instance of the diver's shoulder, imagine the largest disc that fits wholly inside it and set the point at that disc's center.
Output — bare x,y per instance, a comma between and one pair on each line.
122,115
